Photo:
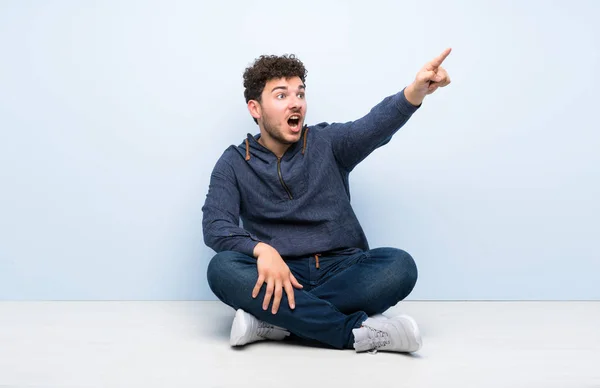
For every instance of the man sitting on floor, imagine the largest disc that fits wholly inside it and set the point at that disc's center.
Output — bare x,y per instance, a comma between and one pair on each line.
300,241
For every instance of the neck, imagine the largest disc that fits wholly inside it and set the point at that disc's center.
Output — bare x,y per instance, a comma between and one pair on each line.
272,145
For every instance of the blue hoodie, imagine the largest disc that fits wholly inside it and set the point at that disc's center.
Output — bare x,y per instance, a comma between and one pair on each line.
299,204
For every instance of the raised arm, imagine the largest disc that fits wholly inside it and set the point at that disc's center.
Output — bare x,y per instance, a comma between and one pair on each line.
431,77
354,141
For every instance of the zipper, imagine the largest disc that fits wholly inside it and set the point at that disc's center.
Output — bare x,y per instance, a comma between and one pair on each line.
281,178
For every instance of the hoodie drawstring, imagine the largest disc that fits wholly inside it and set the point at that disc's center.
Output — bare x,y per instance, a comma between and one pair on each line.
304,144
247,150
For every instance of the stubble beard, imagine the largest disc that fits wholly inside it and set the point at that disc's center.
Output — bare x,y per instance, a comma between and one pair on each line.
274,132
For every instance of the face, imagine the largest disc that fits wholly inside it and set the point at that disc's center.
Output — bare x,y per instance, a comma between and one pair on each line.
281,111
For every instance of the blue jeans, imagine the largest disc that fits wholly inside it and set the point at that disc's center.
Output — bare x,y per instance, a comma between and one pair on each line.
337,297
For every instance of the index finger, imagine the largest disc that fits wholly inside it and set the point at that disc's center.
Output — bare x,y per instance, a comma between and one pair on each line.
289,291
437,61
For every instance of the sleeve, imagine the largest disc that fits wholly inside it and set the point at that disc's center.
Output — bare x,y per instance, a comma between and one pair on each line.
352,142
221,214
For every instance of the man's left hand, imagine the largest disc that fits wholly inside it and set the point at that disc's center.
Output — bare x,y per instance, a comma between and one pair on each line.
431,77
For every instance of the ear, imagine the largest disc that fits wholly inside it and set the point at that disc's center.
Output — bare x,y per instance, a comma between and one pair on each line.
255,109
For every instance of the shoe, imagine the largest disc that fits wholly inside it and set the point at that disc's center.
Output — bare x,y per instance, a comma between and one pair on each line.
397,334
246,329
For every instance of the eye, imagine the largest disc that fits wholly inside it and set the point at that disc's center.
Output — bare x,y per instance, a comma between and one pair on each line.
280,96
301,95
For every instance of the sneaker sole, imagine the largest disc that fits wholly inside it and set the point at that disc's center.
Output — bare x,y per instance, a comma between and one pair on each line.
239,328
416,332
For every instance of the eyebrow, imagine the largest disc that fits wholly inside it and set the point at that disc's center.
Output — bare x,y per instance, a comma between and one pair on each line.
285,88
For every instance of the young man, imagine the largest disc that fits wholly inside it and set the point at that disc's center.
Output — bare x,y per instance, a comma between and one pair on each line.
300,262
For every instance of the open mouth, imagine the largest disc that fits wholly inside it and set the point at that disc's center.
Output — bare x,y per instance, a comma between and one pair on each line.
293,121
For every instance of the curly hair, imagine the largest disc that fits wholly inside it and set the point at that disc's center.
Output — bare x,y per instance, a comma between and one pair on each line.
268,67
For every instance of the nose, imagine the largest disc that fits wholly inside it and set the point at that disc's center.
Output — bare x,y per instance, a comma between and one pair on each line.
295,102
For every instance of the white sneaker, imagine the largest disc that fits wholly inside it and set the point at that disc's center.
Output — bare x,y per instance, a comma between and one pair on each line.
397,334
246,329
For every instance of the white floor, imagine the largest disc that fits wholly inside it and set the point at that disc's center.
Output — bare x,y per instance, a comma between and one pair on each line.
185,344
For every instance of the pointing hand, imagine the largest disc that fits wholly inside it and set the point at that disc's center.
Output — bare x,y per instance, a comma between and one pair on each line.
428,79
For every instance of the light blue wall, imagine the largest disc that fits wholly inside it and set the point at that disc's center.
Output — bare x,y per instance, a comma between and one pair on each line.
113,113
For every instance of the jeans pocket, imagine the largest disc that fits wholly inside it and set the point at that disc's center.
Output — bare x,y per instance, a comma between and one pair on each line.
339,265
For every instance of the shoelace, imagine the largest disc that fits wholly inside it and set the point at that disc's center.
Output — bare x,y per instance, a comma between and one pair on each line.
378,339
264,329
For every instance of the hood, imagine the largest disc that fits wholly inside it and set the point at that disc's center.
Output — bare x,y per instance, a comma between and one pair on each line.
252,148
